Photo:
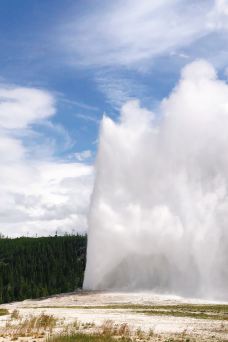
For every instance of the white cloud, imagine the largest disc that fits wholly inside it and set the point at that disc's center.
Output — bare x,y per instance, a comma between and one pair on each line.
123,39
84,155
219,15
10,149
20,107
127,33
43,197
39,194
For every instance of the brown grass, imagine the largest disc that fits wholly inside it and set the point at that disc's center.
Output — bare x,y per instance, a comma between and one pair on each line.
32,326
15,314
4,312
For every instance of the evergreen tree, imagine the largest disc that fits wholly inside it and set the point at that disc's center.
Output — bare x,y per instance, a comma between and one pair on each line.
36,267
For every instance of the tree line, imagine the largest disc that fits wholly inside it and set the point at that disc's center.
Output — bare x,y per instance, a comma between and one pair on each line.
39,267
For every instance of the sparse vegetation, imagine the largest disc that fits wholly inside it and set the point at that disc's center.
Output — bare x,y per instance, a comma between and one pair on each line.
111,332
79,337
190,307
107,332
15,314
175,313
213,312
47,327
4,312
32,326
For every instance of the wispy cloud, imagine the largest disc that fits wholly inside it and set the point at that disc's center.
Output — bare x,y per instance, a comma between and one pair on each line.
119,88
61,132
118,42
84,155
88,118
217,18
127,33
82,105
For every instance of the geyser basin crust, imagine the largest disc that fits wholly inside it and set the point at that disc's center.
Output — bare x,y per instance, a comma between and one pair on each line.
175,317
159,212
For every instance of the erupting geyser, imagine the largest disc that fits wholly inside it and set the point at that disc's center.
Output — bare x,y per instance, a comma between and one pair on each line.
159,213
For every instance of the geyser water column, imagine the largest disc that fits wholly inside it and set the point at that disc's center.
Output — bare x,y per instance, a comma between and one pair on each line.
159,213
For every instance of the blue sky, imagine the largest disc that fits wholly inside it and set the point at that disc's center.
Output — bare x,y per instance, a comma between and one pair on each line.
42,46
30,57
87,58
34,54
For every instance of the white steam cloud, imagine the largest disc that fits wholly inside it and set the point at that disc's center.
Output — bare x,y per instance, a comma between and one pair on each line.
159,213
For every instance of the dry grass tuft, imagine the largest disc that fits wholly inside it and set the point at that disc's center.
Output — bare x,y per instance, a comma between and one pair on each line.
15,314
108,328
32,326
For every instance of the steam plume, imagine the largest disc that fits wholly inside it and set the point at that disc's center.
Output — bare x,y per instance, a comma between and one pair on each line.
159,212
